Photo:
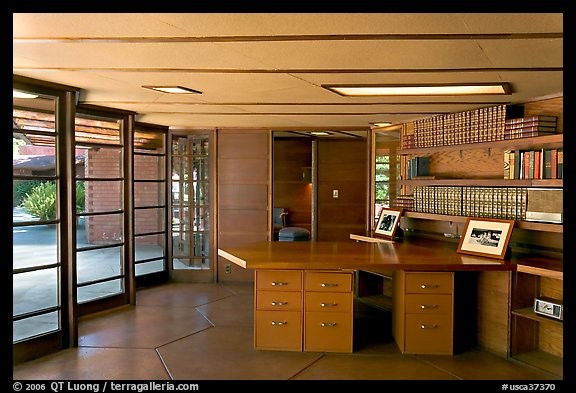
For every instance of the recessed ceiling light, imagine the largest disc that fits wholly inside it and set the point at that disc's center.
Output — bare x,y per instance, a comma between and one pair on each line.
173,89
320,133
381,124
21,94
445,89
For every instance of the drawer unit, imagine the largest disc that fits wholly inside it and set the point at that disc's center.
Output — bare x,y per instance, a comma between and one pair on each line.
328,317
328,282
423,312
278,314
279,300
428,334
281,280
278,330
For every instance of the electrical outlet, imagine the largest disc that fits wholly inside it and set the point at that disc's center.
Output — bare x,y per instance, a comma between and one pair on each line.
227,268
334,193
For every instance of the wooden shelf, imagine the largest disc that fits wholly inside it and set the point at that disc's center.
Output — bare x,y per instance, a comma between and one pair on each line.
528,225
542,360
529,313
556,183
555,141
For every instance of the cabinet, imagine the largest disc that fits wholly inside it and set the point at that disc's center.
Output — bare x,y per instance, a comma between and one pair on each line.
536,339
434,312
328,318
303,310
278,314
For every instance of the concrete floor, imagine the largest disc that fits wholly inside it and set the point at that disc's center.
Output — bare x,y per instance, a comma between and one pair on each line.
195,332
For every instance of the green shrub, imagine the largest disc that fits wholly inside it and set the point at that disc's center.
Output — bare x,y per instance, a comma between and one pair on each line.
80,197
41,201
23,188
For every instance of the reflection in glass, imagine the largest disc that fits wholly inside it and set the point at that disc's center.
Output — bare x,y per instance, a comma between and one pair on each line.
99,290
34,326
149,267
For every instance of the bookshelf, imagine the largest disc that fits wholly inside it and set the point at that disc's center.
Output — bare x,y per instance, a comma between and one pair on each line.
527,337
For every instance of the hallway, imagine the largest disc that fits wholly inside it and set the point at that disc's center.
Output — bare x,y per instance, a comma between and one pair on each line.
182,331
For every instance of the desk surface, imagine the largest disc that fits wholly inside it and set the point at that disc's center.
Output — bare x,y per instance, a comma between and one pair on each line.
416,255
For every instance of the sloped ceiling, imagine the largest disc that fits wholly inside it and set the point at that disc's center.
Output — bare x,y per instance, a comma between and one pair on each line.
266,70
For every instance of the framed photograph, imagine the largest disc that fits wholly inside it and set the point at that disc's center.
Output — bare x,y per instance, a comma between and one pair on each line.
388,223
486,237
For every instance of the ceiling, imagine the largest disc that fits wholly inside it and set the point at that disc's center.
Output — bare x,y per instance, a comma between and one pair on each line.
266,70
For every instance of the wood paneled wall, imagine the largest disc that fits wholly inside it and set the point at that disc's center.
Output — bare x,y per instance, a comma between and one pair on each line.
244,193
342,166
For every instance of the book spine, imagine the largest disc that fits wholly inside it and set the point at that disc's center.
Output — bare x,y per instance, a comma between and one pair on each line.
560,155
553,163
507,163
547,162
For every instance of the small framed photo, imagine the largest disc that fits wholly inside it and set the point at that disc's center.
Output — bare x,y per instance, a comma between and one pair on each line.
387,224
486,237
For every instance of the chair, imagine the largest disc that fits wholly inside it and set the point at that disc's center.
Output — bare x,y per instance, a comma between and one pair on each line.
285,233
280,220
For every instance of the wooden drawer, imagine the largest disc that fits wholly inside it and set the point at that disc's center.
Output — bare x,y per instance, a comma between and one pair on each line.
328,331
328,282
329,301
278,330
429,282
279,300
428,334
428,304
282,280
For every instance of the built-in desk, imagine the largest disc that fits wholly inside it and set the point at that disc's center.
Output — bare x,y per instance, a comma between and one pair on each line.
302,285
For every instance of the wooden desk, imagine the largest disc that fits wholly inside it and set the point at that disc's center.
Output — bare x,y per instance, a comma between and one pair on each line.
295,282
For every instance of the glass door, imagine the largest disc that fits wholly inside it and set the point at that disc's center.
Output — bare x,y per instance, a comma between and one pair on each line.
191,207
150,218
103,213
41,253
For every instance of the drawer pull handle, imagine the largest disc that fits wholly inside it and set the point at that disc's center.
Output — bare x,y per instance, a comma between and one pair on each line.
328,324
327,284
428,326
425,306
278,283
328,304
428,286
279,303
279,323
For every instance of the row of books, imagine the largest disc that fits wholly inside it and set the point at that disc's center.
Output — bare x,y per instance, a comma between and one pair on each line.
405,202
534,164
528,127
478,125
489,202
418,167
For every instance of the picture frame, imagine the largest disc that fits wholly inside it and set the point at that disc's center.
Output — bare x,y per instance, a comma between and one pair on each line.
388,222
487,237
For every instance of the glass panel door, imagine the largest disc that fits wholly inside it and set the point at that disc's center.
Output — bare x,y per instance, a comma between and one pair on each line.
101,272
36,220
191,202
150,221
